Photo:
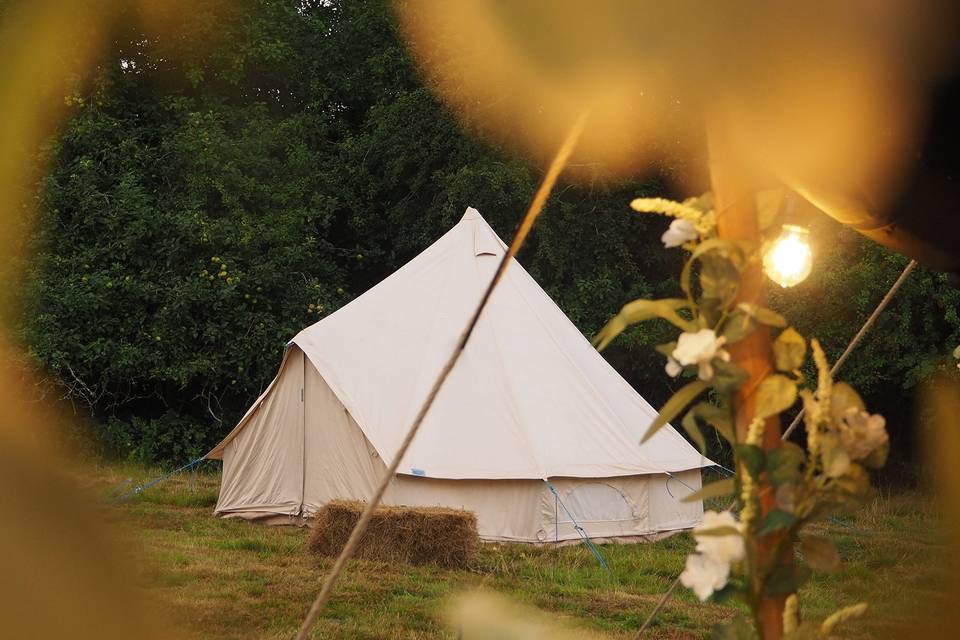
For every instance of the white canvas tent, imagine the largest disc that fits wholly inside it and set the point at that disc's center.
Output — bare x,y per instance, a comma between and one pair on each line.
530,400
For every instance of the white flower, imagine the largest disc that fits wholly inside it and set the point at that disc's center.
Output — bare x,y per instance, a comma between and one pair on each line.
861,432
673,368
704,575
680,232
725,548
700,348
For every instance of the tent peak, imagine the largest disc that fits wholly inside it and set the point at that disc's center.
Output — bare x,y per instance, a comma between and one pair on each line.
471,214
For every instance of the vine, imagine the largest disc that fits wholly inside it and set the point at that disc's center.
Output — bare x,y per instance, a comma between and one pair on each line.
825,478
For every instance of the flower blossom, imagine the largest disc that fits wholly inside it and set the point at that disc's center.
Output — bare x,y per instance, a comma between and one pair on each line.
861,432
727,548
680,232
704,575
698,348
709,570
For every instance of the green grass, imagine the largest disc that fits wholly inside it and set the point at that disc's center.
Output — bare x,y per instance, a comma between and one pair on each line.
229,579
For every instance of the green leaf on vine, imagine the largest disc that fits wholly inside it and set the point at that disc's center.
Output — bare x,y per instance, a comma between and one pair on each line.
784,579
674,406
726,248
763,315
776,520
775,394
717,489
727,376
820,553
769,317
717,417
783,463
738,325
640,310
834,456
666,348
689,425
752,458
789,350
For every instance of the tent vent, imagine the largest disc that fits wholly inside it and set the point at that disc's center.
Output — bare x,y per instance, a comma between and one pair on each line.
484,242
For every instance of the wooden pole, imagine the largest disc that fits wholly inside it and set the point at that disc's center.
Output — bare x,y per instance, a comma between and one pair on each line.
735,205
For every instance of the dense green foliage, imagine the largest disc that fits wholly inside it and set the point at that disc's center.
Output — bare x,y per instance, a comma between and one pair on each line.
213,184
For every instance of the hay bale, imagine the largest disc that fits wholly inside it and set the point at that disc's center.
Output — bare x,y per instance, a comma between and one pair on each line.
413,535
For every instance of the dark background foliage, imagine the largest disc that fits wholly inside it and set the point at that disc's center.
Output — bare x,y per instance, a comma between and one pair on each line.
218,189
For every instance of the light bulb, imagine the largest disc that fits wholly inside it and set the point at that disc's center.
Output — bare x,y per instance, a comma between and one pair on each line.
788,260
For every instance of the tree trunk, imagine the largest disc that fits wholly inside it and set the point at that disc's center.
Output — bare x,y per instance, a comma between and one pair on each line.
735,207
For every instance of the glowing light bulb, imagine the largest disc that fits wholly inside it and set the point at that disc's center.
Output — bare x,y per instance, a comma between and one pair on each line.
788,260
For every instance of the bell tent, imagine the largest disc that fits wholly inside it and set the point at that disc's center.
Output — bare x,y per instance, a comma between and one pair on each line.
533,431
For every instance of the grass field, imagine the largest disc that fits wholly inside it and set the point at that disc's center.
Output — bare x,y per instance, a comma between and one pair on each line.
216,578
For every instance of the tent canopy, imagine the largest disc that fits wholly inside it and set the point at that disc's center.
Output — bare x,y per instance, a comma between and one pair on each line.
530,398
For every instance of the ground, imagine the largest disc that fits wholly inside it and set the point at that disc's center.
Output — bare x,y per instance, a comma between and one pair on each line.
219,579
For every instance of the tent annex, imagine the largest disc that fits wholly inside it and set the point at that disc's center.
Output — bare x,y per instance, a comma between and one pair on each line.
529,401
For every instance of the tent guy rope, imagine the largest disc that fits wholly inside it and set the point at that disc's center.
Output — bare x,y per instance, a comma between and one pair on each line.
857,338
854,342
536,206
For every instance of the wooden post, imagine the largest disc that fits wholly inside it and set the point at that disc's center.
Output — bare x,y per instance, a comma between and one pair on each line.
735,205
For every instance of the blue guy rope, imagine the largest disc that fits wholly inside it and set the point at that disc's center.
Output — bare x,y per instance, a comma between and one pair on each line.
140,488
730,472
580,530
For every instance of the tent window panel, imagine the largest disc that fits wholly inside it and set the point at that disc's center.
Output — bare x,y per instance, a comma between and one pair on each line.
596,502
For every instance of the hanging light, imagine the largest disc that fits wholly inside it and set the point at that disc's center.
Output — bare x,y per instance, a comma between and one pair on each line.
788,260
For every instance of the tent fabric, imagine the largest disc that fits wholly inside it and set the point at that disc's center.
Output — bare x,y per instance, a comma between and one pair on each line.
528,391
529,400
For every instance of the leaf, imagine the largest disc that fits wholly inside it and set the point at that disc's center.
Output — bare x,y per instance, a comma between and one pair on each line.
784,579
776,520
763,315
835,460
666,348
783,463
736,629
789,350
775,394
770,318
674,406
727,376
752,458
717,417
717,489
689,425
638,311
725,247
719,277
820,553
738,325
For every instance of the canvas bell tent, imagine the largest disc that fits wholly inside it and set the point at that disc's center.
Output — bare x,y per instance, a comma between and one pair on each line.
533,430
